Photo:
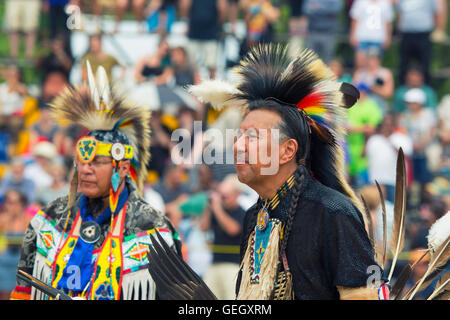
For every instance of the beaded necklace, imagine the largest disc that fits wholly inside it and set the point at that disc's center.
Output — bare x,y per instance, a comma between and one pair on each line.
272,203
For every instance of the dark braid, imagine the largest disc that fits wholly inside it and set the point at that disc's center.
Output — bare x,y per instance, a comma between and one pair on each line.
297,189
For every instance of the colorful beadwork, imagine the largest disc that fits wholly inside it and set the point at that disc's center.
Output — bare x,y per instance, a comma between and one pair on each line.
259,243
86,149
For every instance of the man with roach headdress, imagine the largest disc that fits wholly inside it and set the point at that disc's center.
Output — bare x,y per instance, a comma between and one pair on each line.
305,238
92,244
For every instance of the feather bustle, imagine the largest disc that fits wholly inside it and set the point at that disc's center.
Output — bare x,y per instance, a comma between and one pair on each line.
439,259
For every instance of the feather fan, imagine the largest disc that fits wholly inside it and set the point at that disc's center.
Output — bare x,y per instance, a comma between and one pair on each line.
174,279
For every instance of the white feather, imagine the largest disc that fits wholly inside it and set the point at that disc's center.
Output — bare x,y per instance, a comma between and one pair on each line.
92,85
439,232
103,86
216,92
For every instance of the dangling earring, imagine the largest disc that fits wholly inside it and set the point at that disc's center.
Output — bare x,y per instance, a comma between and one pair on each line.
118,154
115,182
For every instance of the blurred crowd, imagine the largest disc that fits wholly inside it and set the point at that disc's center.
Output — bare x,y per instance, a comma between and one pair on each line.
397,109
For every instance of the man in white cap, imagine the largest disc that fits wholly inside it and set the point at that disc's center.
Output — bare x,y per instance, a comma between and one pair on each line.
39,171
421,125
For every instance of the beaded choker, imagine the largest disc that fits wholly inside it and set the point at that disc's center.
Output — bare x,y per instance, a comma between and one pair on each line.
263,214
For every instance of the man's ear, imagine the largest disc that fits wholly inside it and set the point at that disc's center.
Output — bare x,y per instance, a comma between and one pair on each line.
288,151
124,168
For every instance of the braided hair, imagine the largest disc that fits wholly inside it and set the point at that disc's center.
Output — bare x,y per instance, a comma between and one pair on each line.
297,189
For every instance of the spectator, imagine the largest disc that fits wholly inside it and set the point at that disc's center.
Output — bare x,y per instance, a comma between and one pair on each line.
45,129
97,57
161,15
154,66
337,67
421,124
205,18
440,33
233,14
372,197
429,213
259,17
188,149
443,111
205,179
16,180
70,136
416,22
417,273
12,99
59,186
138,10
58,18
362,121
224,217
382,152
323,26
184,72
371,25
22,16
53,84
13,224
160,144
173,190
414,79
444,135
40,171
379,79
298,25
59,59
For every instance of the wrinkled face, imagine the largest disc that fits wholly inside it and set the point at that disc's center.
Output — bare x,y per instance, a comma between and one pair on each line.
94,178
256,149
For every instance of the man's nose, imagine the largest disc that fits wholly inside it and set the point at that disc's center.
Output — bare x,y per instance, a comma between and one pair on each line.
239,143
239,148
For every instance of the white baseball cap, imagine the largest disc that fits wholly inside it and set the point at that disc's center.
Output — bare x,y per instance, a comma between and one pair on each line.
415,95
45,149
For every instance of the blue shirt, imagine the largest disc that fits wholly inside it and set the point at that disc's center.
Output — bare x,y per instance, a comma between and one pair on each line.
322,14
417,15
25,186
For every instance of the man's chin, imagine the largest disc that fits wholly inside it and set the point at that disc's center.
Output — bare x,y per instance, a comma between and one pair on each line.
243,172
90,193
